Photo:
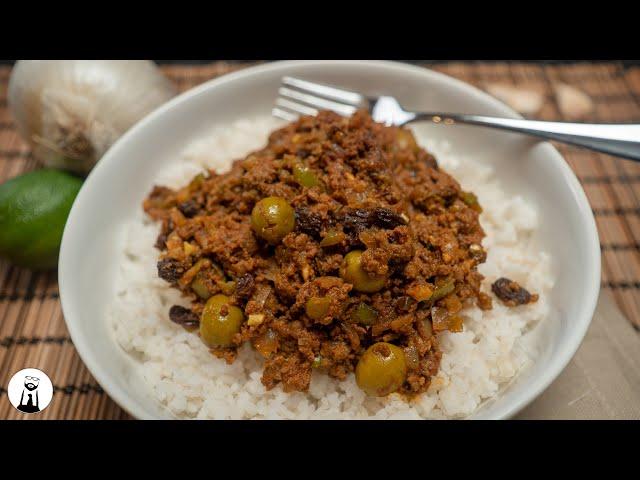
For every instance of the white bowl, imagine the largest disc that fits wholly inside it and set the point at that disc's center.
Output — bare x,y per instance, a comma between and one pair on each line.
123,177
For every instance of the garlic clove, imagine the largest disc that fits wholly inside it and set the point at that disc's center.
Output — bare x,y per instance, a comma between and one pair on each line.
525,101
573,103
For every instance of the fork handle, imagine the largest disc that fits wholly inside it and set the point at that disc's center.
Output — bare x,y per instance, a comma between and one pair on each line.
622,140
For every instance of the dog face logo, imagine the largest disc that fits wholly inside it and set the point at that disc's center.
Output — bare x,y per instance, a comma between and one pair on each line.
30,390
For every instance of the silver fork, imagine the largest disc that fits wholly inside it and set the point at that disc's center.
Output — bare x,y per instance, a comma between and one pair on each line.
302,97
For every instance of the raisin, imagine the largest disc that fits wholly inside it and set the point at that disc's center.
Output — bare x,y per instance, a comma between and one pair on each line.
170,270
189,208
511,293
356,220
161,241
308,222
385,218
360,219
183,316
245,286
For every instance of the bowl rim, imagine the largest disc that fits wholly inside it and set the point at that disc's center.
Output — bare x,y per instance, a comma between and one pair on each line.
536,386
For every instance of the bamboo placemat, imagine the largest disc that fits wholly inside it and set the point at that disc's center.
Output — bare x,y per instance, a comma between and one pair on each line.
32,329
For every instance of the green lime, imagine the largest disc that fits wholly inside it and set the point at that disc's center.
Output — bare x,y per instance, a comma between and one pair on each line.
33,211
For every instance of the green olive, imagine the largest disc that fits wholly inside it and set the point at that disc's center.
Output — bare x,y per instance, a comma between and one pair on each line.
471,200
351,272
305,176
364,314
318,307
272,218
227,287
442,290
196,182
317,361
381,370
220,321
200,287
333,237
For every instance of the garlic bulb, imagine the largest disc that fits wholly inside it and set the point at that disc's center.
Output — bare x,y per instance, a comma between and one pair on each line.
527,102
72,111
573,103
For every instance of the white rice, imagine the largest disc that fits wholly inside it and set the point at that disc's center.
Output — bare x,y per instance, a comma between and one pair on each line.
192,383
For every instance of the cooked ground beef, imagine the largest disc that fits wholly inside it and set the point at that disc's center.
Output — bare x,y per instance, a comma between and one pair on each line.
352,185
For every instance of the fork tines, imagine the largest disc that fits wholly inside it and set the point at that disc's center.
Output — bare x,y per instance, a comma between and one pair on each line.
301,97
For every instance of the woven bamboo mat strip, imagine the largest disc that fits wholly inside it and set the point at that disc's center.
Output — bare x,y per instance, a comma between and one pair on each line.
32,329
